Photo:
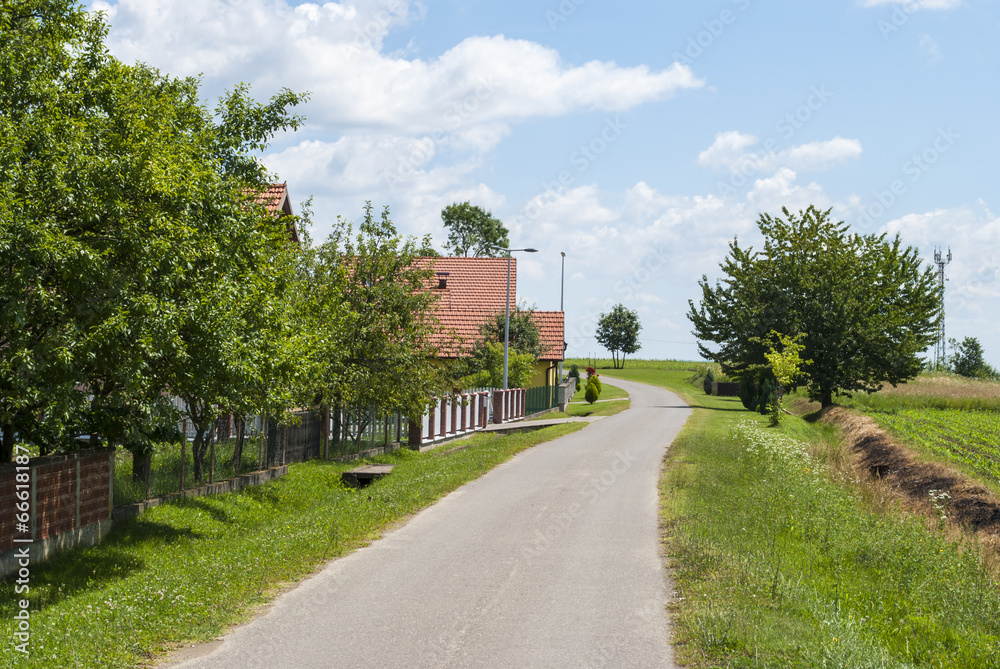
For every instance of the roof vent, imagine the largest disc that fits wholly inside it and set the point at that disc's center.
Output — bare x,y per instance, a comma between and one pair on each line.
443,279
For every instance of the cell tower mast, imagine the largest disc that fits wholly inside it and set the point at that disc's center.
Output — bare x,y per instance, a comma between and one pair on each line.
940,353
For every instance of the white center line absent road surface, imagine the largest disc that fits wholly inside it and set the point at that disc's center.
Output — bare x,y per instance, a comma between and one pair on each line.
550,560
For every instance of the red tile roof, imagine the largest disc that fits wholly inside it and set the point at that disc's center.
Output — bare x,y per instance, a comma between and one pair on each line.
275,198
475,289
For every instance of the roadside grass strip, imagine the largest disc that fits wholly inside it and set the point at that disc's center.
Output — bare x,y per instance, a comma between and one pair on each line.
186,571
777,565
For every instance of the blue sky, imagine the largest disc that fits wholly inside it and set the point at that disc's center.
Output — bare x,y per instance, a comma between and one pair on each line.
637,137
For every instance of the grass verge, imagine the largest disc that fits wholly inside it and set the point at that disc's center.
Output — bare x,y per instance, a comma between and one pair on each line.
779,560
186,571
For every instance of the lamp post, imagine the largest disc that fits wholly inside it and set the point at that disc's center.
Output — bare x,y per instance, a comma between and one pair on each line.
506,327
562,292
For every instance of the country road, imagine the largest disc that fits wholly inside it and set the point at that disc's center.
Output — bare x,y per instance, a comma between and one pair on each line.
550,560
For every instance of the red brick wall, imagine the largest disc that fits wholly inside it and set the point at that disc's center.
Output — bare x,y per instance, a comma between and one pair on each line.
59,482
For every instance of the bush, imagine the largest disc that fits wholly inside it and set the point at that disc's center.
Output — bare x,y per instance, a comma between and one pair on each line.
596,379
579,384
592,393
709,380
574,372
766,397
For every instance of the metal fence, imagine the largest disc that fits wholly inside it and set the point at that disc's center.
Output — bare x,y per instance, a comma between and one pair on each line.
541,399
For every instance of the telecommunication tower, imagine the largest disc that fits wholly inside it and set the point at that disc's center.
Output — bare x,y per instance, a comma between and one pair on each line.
940,353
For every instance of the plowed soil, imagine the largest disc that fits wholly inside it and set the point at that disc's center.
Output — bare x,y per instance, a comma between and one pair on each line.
876,452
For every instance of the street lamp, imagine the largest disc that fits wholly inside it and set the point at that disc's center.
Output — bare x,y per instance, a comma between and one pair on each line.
562,291
506,327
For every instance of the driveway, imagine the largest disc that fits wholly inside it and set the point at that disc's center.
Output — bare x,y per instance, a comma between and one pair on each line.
550,560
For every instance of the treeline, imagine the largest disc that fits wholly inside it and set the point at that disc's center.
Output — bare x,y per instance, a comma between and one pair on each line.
139,264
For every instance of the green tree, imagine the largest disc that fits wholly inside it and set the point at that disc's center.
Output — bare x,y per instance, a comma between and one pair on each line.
968,358
123,211
786,366
867,307
618,331
473,230
525,347
373,321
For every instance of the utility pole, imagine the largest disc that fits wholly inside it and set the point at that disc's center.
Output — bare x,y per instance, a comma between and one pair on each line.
940,352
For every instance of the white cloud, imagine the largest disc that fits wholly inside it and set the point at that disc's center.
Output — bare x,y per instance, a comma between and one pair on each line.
334,50
730,152
911,6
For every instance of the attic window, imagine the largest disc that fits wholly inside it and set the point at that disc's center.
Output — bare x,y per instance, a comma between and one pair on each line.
443,280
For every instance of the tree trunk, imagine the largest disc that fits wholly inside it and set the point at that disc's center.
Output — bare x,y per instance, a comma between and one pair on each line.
7,448
241,425
141,464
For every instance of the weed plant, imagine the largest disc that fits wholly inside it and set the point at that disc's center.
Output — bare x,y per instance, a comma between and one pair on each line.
185,571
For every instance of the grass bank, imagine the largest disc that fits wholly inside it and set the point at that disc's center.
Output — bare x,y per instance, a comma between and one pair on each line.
186,571
782,557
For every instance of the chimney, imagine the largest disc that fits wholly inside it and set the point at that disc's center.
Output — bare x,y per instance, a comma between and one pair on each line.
442,280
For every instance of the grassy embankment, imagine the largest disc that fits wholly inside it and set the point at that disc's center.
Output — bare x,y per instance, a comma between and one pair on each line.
186,571
782,556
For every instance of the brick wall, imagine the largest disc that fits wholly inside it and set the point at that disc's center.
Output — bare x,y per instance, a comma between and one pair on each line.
68,492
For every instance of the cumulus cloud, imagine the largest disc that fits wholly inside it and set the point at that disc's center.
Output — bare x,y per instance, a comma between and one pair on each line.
335,50
731,152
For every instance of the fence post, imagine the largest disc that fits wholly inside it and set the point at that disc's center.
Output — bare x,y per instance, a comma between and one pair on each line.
444,417
415,437
430,422
324,434
497,407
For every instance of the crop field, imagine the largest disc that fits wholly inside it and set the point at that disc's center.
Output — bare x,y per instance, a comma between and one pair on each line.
970,438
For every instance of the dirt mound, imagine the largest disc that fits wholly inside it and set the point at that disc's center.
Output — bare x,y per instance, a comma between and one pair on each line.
876,452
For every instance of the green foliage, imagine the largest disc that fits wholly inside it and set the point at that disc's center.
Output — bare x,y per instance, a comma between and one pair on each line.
786,366
593,392
134,260
618,331
867,306
574,371
968,359
473,230
371,319
709,380
489,360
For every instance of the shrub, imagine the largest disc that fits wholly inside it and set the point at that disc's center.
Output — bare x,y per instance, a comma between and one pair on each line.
709,380
766,397
596,379
579,384
574,371
592,393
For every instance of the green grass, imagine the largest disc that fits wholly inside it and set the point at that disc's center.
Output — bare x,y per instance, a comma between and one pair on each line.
608,392
779,561
186,571
585,410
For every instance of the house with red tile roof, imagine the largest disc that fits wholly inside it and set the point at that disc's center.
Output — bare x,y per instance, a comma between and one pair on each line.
275,198
470,291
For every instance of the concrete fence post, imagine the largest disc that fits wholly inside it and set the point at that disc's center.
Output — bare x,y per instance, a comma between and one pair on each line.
430,423
498,407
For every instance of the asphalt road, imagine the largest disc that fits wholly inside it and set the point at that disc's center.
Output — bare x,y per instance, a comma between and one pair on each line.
550,560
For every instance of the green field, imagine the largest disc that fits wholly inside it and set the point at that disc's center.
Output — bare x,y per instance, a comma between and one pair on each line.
782,556
969,438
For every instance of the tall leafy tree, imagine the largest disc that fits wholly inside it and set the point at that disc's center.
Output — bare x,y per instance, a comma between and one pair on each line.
124,218
865,304
373,320
473,230
618,331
